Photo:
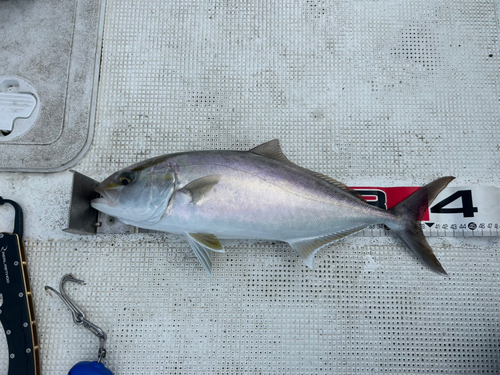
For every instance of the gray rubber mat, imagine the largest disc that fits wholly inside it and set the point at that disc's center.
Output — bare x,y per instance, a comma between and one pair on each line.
372,93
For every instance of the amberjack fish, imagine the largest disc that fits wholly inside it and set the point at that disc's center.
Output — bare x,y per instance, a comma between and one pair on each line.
256,194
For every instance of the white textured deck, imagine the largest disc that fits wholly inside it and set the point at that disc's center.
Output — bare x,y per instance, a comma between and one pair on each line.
369,92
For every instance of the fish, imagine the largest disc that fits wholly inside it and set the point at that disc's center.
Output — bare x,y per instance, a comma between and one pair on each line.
256,194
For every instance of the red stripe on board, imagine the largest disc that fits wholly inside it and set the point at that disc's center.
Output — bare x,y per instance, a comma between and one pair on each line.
388,197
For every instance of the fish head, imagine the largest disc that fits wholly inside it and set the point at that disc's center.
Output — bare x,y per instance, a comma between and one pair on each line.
138,194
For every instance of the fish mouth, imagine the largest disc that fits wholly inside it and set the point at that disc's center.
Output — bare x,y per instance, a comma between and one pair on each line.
107,200
102,205
99,202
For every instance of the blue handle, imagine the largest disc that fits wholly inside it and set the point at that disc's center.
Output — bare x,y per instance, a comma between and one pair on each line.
89,368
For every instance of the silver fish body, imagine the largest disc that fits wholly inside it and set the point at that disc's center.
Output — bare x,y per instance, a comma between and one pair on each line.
258,194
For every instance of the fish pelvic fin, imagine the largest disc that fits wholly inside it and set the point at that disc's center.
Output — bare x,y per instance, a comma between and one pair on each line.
203,254
306,248
410,213
207,240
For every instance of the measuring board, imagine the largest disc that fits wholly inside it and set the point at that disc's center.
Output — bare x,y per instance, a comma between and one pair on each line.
464,211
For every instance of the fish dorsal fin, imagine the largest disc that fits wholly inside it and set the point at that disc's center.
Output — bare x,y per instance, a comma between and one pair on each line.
308,247
203,254
271,150
331,180
339,185
207,240
198,188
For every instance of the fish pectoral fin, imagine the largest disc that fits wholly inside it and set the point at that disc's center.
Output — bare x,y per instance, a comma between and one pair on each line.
208,241
203,254
306,248
200,187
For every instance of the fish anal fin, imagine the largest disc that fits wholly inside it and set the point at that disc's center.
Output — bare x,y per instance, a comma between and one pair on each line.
208,241
203,254
201,186
272,150
308,247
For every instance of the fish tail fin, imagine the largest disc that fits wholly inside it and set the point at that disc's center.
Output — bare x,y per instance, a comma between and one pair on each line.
408,228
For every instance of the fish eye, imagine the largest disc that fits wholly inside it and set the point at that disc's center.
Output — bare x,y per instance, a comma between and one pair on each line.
126,178
125,181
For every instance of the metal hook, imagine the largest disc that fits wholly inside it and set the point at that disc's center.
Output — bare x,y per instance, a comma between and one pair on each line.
78,314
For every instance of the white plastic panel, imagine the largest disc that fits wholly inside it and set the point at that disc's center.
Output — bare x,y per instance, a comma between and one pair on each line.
50,51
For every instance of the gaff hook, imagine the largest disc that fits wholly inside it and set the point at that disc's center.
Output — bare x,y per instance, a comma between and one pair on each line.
78,314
